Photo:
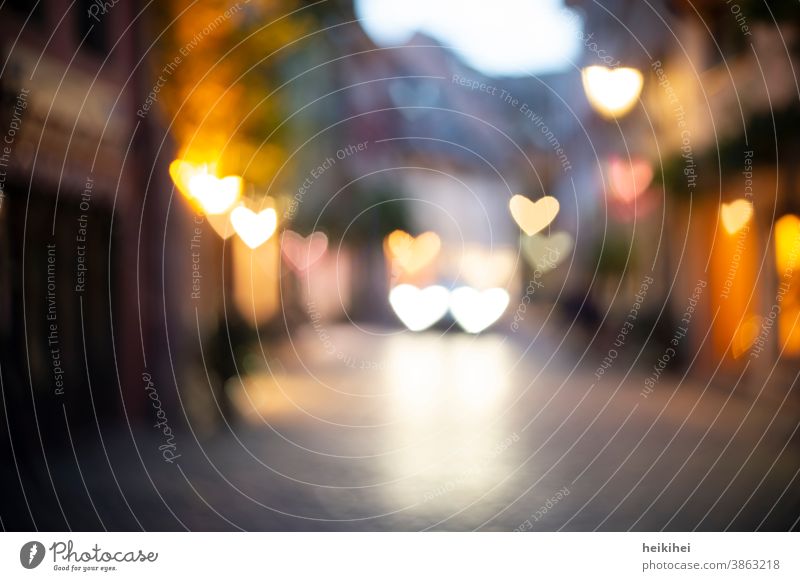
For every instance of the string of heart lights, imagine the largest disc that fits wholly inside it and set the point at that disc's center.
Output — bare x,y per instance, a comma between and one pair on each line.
411,260
220,200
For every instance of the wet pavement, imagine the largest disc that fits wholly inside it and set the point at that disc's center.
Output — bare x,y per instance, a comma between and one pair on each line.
380,430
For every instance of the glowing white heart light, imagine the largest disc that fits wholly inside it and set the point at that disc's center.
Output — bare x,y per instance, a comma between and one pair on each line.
208,193
215,195
254,229
612,92
417,308
475,310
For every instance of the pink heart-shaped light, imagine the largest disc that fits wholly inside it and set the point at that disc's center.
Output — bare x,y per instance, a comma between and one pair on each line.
629,178
302,252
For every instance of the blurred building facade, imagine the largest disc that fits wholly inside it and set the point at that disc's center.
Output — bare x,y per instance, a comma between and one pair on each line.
717,120
80,212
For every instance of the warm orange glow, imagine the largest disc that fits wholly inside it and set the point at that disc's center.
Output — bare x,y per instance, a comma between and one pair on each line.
207,193
745,336
612,92
789,331
533,216
214,98
733,275
787,244
787,253
410,253
735,215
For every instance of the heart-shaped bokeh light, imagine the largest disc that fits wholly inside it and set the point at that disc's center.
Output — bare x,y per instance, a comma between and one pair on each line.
629,178
533,216
254,229
612,92
410,253
417,308
302,252
544,253
208,193
476,310
736,214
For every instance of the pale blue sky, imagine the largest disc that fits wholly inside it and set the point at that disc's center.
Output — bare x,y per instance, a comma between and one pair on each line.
497,37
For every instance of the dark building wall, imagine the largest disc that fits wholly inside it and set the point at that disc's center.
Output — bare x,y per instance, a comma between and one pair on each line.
76,188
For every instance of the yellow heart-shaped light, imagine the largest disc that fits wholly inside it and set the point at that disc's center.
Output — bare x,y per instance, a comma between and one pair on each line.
735,215
410,253
254,229
211,195
787,245
612,92
533,216
544,253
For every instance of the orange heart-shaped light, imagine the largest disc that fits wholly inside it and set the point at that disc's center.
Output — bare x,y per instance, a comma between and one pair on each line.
254,229
630,178
533,216
301,253
735,215
181,173
211,195
410,253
